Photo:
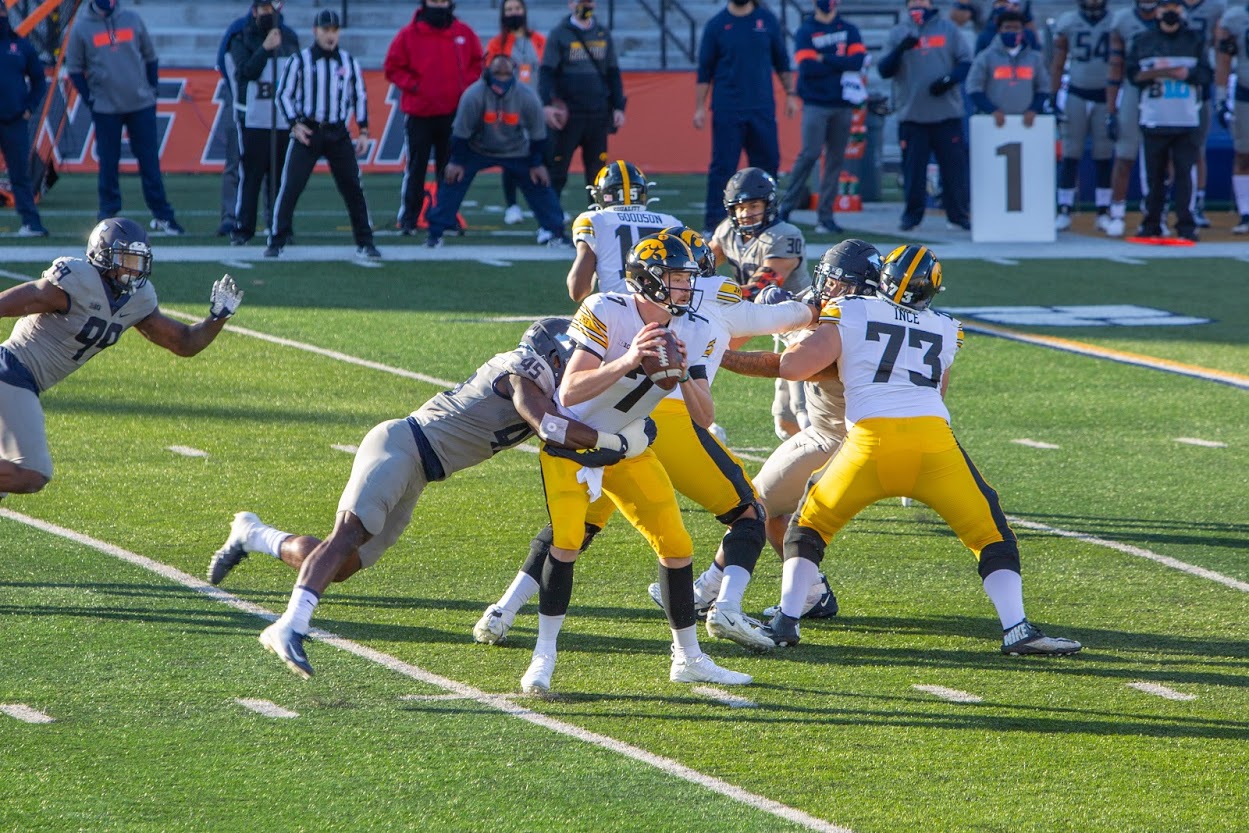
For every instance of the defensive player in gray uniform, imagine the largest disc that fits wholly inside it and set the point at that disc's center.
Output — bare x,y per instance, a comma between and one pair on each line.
1123,109
763,251
1082,47
76,309
615,223
500,406
1232,39
1203,16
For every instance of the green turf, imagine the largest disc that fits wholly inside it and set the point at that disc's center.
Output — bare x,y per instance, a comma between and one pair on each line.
141,673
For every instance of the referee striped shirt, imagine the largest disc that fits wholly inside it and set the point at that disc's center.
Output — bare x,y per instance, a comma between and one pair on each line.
323,87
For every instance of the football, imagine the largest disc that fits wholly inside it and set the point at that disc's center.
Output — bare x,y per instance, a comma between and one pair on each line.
665,369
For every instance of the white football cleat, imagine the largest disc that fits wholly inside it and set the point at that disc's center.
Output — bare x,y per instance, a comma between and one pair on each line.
1062,221
544,236
513,215
233,550
492,627
701,669
281,639
726,623
1102,222
1114,227
537,679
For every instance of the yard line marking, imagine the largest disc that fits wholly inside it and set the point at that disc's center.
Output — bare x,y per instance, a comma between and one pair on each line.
731,700
236,264
427,697
752,457
17,276
1162,691
26,714
186,451
1164,560
1202,443
1236,380
493,261
1130,261
953,695
265,707
1002,261
1033,443
501,702
346,449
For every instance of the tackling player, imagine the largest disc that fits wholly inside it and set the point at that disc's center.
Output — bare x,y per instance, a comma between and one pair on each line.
699,466
76,309
893,355
504,403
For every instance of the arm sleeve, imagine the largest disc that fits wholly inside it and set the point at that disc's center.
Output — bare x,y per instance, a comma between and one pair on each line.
978,76
982,102
153,73
79,81
615,84
248,65
960,70
289,93
746,319
706,55
222,49
855,57
75,55
892,62
361,94
146,49
38,81
396,67
780,56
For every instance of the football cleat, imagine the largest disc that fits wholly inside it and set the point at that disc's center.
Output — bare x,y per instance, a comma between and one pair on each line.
368,252
544,236
167,226
27,230
492,627
1114,227
1243,226
701,606
1102,222
701,669
1199,217
821,602
723,623
537,679
1062,221
513,215
232,551
783,630
273,250
1026,638
281,639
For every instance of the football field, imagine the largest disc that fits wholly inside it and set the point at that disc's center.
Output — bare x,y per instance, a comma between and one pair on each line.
1105,401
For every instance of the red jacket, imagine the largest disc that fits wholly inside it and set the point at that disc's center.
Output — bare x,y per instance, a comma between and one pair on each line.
432,67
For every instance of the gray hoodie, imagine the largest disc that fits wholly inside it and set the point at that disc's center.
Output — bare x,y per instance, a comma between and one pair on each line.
113,52
499,126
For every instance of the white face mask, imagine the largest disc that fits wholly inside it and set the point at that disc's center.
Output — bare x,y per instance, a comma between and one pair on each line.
1015,50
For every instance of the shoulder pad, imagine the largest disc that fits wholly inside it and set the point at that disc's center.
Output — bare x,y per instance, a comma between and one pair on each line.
728,293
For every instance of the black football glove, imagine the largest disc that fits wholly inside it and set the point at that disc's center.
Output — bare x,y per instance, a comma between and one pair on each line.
909,42
942,85
1112,126
588,457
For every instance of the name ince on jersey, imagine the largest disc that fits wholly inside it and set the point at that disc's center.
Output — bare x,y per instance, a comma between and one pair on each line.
905,315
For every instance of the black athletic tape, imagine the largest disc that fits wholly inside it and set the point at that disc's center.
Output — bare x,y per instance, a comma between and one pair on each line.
743,542
556,587
538,549
676,588
803,542
1000,555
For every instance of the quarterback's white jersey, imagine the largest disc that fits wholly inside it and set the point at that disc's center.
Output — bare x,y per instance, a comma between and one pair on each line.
605,325
892,357
53,345
611,232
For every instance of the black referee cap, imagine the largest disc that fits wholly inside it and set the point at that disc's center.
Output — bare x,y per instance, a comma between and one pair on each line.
327,18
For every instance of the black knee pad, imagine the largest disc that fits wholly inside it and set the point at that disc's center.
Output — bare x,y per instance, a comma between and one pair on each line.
556,587
1002,555
590,531
803,542
538,549
731,516
1102,171
743,542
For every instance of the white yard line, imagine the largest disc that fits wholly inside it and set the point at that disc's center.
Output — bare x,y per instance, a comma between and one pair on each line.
493,261
1033,443
1162,691
25,713
346,449
1202,443
502,703
733,701
1130,261
952,695
266,708
236,264
186,451
1002,261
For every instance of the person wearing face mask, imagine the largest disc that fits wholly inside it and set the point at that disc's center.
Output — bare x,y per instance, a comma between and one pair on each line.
22,85
988,34
432,61
1170,67
112,63
582,93
927,59
524,46
1009,78
830,53
253,64
1082,50
499,123
740,48
1203,15
1232,37
1122,102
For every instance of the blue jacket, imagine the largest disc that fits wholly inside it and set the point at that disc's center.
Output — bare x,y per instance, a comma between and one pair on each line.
737,56
823,51
22,82
233,29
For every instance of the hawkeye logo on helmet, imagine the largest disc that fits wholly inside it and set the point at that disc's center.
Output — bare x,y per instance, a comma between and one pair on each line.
652,247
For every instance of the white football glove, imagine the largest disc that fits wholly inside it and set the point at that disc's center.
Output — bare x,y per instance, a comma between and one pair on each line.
638,436
225,299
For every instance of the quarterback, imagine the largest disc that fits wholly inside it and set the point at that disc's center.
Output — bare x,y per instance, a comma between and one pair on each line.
893,355
500,406
698,464
77,308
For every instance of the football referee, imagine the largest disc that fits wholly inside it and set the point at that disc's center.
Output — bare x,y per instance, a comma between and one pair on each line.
321,87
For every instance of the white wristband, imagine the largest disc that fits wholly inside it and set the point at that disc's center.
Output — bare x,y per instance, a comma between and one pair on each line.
553,428
611,442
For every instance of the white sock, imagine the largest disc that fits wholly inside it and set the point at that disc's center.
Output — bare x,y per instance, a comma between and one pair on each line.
522,589
733,587
707,586
1118,210
1240,186
299,610
265,539
798,575
548,633
1005,590
1067,196
1101,197
685,643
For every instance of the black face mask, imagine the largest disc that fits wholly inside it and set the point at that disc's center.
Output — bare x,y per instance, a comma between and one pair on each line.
439,18
1171,17
266,22
512,22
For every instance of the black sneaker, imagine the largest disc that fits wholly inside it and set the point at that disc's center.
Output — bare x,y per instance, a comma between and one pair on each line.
368,252
783,630
238,238
1026,638
273,250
